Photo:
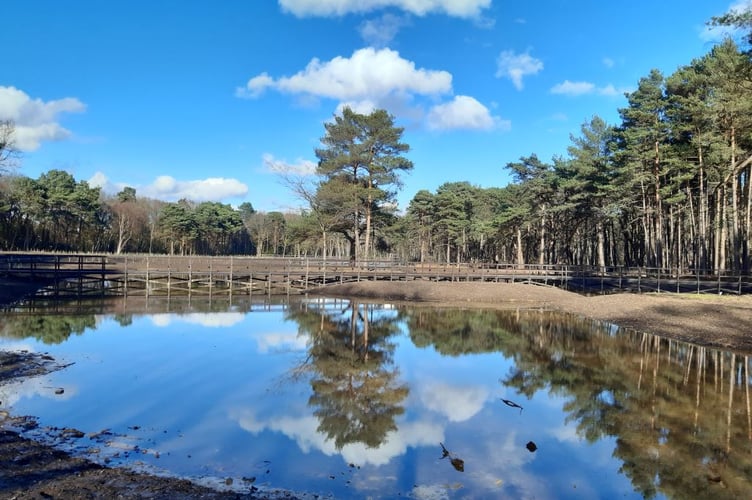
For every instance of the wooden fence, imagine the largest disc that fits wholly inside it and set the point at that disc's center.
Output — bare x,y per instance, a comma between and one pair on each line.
66,275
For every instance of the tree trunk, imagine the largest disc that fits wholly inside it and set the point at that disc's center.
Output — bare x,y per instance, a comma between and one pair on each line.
601,250
520,253
542,244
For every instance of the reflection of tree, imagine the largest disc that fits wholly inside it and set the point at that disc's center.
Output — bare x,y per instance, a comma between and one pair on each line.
356,394
123,319
53,329
680,414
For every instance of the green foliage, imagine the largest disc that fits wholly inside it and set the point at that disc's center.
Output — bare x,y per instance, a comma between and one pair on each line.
359,167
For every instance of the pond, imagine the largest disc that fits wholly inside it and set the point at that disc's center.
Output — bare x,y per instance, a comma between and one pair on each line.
346,399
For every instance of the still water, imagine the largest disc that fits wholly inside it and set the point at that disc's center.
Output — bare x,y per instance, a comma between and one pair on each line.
355,400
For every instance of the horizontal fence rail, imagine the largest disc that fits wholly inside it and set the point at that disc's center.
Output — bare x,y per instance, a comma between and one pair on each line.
77,275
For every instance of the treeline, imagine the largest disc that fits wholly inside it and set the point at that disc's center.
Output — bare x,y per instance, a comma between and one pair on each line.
669,186
56,212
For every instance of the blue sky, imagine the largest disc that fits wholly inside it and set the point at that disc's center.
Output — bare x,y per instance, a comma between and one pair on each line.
211,100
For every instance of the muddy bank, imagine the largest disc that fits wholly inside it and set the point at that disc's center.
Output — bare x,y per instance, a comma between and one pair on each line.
709,320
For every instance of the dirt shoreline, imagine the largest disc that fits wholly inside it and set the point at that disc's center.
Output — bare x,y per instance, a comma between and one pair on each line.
34,470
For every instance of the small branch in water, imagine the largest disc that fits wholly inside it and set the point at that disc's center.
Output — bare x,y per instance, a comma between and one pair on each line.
512,404
457,463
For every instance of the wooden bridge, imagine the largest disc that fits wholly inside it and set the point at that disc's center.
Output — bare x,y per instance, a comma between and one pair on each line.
81,275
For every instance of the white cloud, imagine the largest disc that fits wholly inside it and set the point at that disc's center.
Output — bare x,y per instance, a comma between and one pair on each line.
367,74
255,86
363,107
582,88
35,120
168,188
300,167
517,66
382,30
100,180
573,88
371,79
463,112
610,90
455,8
608,62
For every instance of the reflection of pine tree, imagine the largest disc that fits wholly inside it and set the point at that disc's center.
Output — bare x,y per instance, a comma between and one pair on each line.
356,395
680,414
52,329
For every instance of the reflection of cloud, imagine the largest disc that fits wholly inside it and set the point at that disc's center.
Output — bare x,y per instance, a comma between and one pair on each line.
409,434
508,460
457,403
211,320
304,431
289,340
565,433
29,388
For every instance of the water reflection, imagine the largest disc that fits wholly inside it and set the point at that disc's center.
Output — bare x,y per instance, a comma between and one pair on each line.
356,394
351,399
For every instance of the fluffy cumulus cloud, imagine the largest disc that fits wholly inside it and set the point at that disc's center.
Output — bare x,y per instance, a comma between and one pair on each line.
300,167
582,88
168,188
517,66
370,79
367,74
36,120
463,112
327,8
376,78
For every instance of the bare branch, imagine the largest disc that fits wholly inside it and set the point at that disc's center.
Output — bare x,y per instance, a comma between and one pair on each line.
8,151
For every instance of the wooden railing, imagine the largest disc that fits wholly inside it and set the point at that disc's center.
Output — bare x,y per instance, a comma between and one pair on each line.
80,274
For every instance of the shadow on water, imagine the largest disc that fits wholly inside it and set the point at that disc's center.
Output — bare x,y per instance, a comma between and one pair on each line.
679,415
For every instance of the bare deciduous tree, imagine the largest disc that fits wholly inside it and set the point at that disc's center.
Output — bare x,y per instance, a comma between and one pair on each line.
8,150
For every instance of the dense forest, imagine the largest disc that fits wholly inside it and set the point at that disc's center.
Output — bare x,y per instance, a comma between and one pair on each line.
669,186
